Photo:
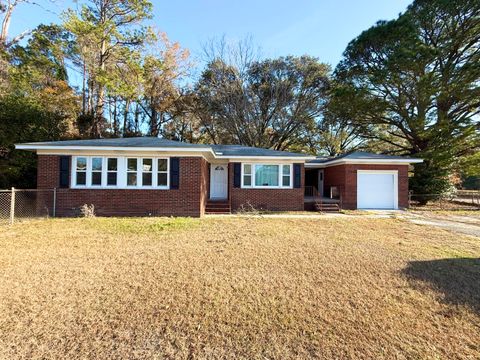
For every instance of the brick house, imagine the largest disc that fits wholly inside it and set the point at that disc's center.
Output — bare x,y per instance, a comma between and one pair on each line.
152,176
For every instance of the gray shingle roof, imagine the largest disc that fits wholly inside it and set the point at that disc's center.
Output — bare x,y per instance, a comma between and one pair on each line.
153,142
359,155
240,150
123,142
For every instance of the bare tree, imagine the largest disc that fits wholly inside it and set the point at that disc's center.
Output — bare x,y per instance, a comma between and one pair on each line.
7,8
271,103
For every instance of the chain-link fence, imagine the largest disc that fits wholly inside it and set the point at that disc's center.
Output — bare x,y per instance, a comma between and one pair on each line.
460,200
17,204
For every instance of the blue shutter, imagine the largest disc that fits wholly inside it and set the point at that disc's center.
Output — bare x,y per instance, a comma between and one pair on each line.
64,171
237,174
174,173
297,176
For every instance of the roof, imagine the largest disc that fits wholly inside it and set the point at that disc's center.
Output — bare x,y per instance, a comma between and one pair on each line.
159,144
362,157
146,141
240,150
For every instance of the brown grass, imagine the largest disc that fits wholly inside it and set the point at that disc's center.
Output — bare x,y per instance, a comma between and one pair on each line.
237,288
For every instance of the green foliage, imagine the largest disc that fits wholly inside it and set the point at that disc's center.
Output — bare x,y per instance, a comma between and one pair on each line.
413,83
38,103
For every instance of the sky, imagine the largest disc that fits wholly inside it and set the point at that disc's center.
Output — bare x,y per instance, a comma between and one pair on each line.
321,28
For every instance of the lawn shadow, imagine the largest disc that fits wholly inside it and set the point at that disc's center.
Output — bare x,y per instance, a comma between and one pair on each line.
458,280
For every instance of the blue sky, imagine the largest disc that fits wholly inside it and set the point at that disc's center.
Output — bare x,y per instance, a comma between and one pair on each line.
321,28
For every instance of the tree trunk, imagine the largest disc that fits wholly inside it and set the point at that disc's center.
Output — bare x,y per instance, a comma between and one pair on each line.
126,128
84,89
153,122
115,118
6,24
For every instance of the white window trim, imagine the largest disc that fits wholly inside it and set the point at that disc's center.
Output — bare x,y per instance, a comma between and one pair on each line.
280,176
121,173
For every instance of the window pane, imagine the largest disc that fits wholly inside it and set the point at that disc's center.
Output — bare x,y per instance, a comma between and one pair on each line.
147,165
112,178
286,181
247,169
132,164
162,179
82,163
286,169
96,164
147,179
112,165
81,178
162,164
266,175
132,179
96,178
247,180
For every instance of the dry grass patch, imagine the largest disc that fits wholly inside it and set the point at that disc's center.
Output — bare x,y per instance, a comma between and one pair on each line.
237,288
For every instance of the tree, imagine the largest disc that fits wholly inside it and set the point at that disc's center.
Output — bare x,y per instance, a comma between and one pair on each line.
103,28
39,104
165,65
270,103
7,8
413,83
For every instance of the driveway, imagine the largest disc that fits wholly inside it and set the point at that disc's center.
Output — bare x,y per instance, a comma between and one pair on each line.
463,224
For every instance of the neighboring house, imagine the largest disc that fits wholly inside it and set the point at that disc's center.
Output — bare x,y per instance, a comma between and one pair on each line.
152,176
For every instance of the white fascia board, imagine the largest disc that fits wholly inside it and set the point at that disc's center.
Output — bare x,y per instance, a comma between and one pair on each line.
110,148
269,158
364,162
206,152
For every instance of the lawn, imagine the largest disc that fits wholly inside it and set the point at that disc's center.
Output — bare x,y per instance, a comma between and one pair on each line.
238,288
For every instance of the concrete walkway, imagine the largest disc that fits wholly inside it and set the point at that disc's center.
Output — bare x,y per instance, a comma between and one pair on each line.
469,225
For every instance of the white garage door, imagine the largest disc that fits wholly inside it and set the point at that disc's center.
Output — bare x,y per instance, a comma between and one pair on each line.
377,190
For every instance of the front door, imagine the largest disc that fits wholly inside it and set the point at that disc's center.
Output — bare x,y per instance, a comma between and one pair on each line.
320,182
218,181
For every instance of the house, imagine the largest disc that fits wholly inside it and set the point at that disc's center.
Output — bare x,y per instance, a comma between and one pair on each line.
152,176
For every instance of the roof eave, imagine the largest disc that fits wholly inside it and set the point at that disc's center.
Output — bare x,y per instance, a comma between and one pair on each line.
110,148
208,150
406,161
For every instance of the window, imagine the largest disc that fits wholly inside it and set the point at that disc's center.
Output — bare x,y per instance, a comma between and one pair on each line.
162,172
147,171
267,175
247,175
96,174
112,168
120,172
286,175
132,172
81,171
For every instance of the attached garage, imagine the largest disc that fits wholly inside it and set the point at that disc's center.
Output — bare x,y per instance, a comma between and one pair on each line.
377,189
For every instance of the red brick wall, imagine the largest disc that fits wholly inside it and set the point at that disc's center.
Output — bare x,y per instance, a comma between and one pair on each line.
204,185
345,177
266,199
188,200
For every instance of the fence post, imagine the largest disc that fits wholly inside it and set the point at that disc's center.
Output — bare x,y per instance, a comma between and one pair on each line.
12,206
54,201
